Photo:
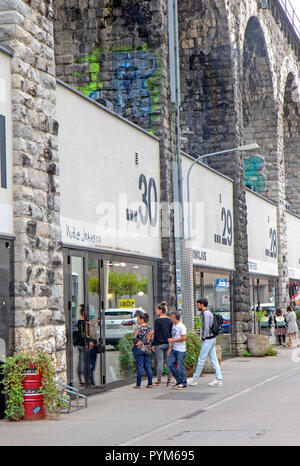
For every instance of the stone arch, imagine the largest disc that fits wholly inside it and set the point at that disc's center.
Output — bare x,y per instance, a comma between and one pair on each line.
208,117
260,116
291,142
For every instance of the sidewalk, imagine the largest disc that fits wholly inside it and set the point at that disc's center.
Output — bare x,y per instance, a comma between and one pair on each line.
126,416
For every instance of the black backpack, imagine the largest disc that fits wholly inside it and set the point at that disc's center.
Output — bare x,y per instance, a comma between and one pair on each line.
217,324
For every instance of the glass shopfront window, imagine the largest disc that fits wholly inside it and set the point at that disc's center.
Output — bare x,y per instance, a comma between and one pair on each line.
128,291
294,293
216,288
103,298
262,299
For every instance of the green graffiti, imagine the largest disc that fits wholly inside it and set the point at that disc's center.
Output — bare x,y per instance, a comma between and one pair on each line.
135,81
254,178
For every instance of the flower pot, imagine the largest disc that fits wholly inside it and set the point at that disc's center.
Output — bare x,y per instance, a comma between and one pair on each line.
33,398
258,344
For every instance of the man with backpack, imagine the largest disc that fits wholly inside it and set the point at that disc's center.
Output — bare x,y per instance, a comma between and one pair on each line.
211,326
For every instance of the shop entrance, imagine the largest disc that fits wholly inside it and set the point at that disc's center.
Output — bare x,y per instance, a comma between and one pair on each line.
5,296
84,320
262,300
104,293
216,287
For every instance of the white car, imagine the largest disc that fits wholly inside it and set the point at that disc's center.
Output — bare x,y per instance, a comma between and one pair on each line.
119,322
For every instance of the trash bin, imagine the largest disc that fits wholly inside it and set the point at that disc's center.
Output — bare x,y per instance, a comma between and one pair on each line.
2,397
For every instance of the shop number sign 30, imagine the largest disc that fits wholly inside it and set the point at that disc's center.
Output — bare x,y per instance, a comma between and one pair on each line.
148,211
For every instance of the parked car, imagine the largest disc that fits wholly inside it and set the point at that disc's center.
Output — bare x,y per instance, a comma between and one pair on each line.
119,322
225,313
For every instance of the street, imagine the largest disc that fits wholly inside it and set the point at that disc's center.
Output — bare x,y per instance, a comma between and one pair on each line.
257,405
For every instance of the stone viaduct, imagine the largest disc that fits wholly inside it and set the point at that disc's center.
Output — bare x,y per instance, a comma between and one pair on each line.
239,64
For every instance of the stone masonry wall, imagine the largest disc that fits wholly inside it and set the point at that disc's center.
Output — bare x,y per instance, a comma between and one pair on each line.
26,27
237,65
118,50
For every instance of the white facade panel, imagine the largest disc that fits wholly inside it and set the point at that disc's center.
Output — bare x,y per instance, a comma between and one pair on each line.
110,179
211,197
6,198
293,243
262,235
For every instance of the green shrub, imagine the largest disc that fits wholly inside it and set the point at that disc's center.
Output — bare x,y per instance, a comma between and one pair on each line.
126,358
193,345
247,354
271,351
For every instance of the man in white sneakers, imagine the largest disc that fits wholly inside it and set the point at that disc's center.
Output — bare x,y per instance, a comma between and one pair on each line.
177,351
208,347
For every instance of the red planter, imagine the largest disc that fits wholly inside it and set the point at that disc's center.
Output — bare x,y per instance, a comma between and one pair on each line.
33,399
33,379
34,406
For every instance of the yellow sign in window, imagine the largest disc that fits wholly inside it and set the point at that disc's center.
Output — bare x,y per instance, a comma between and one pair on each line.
126,302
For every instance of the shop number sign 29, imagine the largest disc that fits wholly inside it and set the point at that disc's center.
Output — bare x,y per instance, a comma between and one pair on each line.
227,235
148,211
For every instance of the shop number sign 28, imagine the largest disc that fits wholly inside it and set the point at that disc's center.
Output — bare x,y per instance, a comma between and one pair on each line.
148,211
272,252
227,235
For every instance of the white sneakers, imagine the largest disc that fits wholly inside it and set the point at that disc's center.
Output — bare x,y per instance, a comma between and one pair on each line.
214,383
192,382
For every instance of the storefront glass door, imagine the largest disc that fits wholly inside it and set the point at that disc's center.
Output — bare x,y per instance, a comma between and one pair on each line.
85,321
103,296
5,293
215,286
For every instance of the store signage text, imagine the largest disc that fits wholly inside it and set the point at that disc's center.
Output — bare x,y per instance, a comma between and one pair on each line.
82,235
199,255
127,303
221,284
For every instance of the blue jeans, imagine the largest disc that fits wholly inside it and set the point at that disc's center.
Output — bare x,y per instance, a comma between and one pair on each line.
179,372
143,361
92,360
80,367
208,348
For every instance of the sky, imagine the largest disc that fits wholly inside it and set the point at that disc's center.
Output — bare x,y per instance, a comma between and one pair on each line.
296,5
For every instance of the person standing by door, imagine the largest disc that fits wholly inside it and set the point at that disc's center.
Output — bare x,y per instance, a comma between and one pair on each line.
292,327
280,327
162,332
142,347
81,344
177,351
208,347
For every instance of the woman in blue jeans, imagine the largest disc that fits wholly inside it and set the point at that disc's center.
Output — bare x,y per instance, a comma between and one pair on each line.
142,347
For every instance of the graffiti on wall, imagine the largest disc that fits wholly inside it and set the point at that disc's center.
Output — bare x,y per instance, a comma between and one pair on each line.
130,79
254,177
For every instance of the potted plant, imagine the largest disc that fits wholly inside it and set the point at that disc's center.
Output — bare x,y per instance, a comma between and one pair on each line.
126,358
257,344
193,345
14,370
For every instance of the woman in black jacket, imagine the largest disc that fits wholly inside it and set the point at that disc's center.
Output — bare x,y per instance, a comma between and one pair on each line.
162,331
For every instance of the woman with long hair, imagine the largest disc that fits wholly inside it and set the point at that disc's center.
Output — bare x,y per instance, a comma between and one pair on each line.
292,327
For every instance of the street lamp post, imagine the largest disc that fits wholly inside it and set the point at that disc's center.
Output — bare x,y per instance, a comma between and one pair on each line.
245,148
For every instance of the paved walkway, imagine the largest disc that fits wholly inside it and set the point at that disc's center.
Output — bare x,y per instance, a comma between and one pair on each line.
258,404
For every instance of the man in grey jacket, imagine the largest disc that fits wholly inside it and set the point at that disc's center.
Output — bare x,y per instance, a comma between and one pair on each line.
208,347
